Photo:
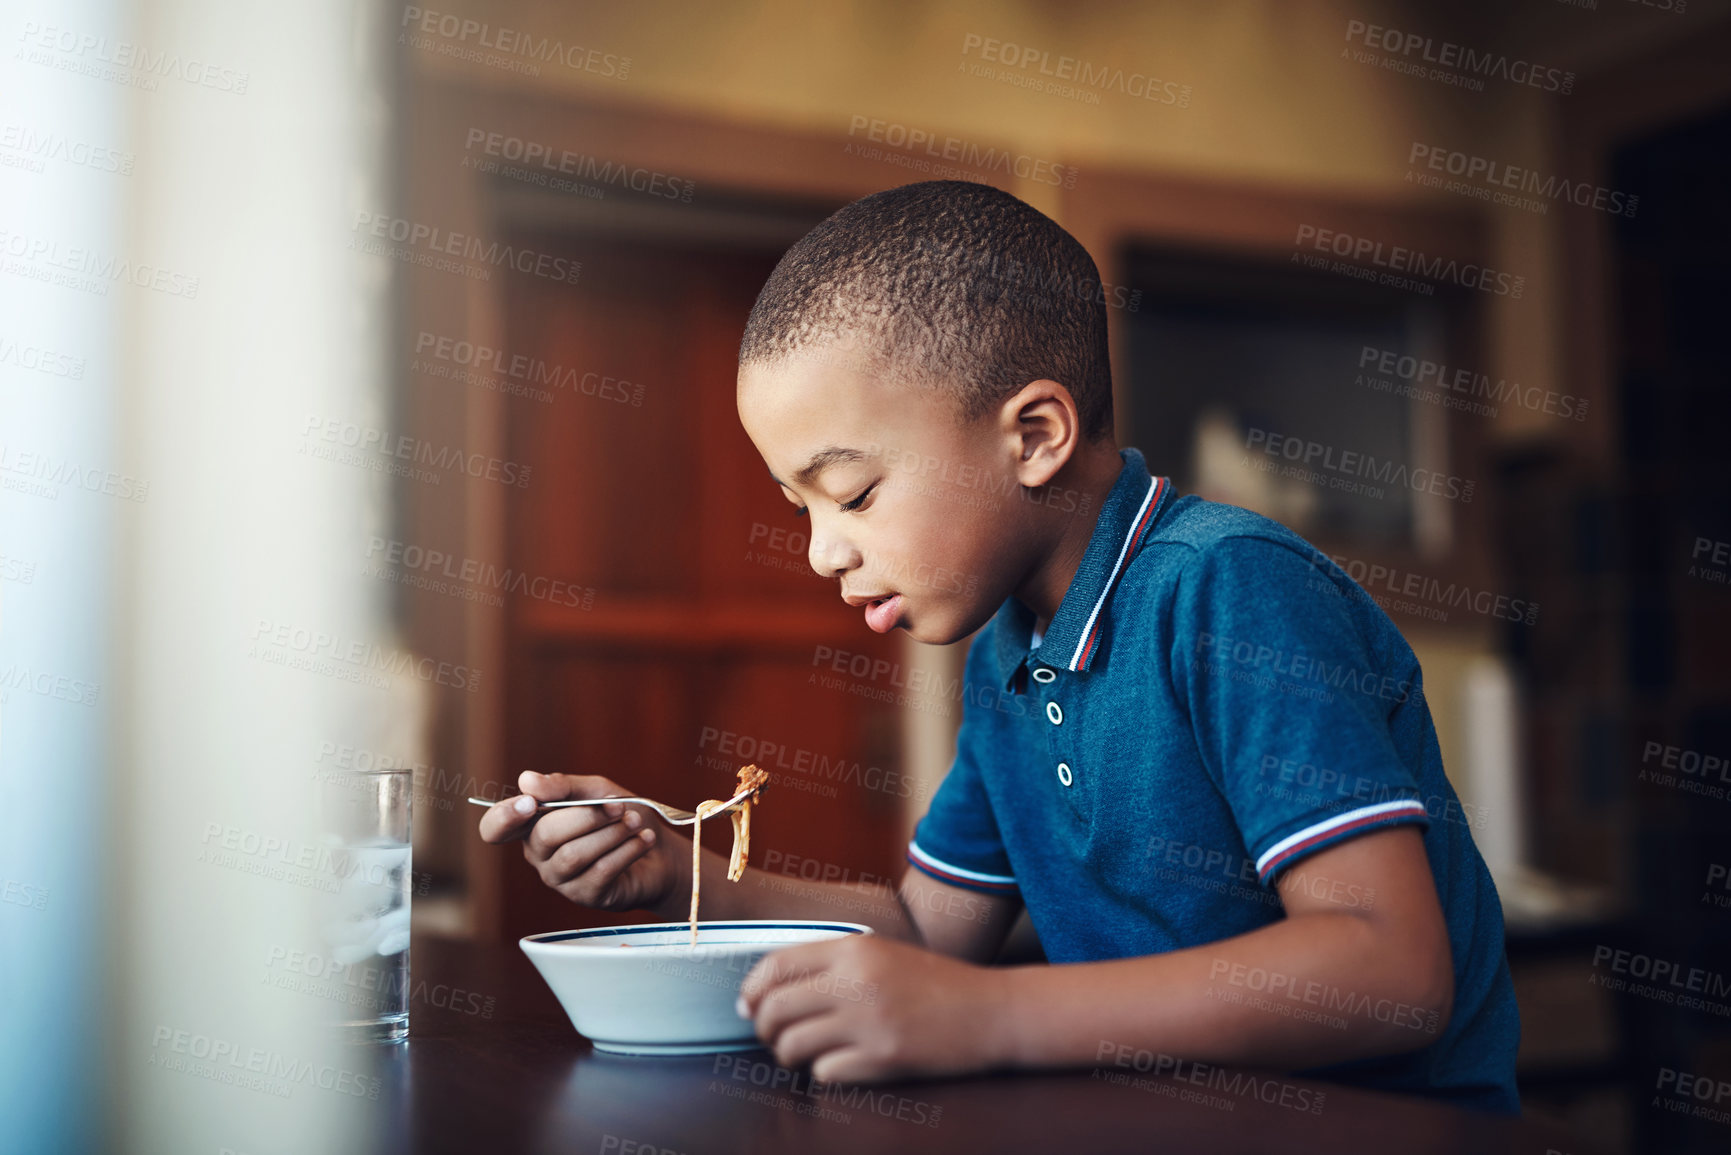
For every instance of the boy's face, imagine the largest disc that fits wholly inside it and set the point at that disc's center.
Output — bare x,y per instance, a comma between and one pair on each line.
917,513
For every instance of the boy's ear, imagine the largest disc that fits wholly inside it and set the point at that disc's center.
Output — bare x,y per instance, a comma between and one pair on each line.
1043,428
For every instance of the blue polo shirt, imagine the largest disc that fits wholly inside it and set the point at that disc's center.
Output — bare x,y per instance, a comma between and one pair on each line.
1214,702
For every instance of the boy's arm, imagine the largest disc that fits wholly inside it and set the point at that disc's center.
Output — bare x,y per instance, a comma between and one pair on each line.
970,925
1328,983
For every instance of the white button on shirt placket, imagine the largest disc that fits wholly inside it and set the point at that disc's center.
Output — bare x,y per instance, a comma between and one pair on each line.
1055,715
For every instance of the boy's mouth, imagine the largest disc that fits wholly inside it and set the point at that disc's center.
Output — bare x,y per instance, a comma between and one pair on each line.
881,614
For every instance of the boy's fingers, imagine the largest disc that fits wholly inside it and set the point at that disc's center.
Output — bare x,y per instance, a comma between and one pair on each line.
507,819
570,787
847,1064
783,966
555,828
780,1009
808,1038
611,865
579,854
563,787
542,787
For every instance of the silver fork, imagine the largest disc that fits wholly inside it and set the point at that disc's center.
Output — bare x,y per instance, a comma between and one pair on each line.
672,814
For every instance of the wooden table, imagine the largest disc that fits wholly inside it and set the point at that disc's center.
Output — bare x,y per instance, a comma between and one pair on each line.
493,1065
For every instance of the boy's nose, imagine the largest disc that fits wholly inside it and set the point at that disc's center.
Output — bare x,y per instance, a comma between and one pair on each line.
831,557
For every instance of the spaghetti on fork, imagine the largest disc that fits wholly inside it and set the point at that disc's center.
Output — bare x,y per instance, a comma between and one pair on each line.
751,778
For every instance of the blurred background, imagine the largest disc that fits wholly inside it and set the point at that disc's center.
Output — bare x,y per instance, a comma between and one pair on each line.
366,400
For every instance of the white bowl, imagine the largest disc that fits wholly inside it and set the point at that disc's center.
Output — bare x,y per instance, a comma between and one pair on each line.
644,990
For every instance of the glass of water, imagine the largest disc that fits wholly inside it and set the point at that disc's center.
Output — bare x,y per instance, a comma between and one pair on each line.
366,830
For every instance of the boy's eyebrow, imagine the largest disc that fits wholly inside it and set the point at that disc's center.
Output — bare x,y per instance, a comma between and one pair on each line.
820,461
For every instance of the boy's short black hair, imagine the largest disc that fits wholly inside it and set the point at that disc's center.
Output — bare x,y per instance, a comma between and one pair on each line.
947,284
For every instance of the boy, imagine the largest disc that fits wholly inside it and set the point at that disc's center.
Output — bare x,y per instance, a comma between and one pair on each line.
1193,748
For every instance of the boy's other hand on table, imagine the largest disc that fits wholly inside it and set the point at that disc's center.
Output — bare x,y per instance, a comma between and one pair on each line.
866,1008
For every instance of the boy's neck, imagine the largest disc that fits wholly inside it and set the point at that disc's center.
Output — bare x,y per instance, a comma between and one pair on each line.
1092,473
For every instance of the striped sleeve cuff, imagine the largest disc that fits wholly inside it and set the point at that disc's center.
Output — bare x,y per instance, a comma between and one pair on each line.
957,876
1333,829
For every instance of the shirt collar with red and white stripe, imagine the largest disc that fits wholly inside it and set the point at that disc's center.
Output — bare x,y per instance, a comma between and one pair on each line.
1077,632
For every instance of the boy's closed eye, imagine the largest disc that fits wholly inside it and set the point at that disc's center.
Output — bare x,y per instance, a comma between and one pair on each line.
858,502
852,506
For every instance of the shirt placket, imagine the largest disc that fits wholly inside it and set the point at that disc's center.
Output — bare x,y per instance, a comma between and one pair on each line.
1059,731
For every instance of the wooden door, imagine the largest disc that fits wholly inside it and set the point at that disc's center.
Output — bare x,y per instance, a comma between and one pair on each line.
692,641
